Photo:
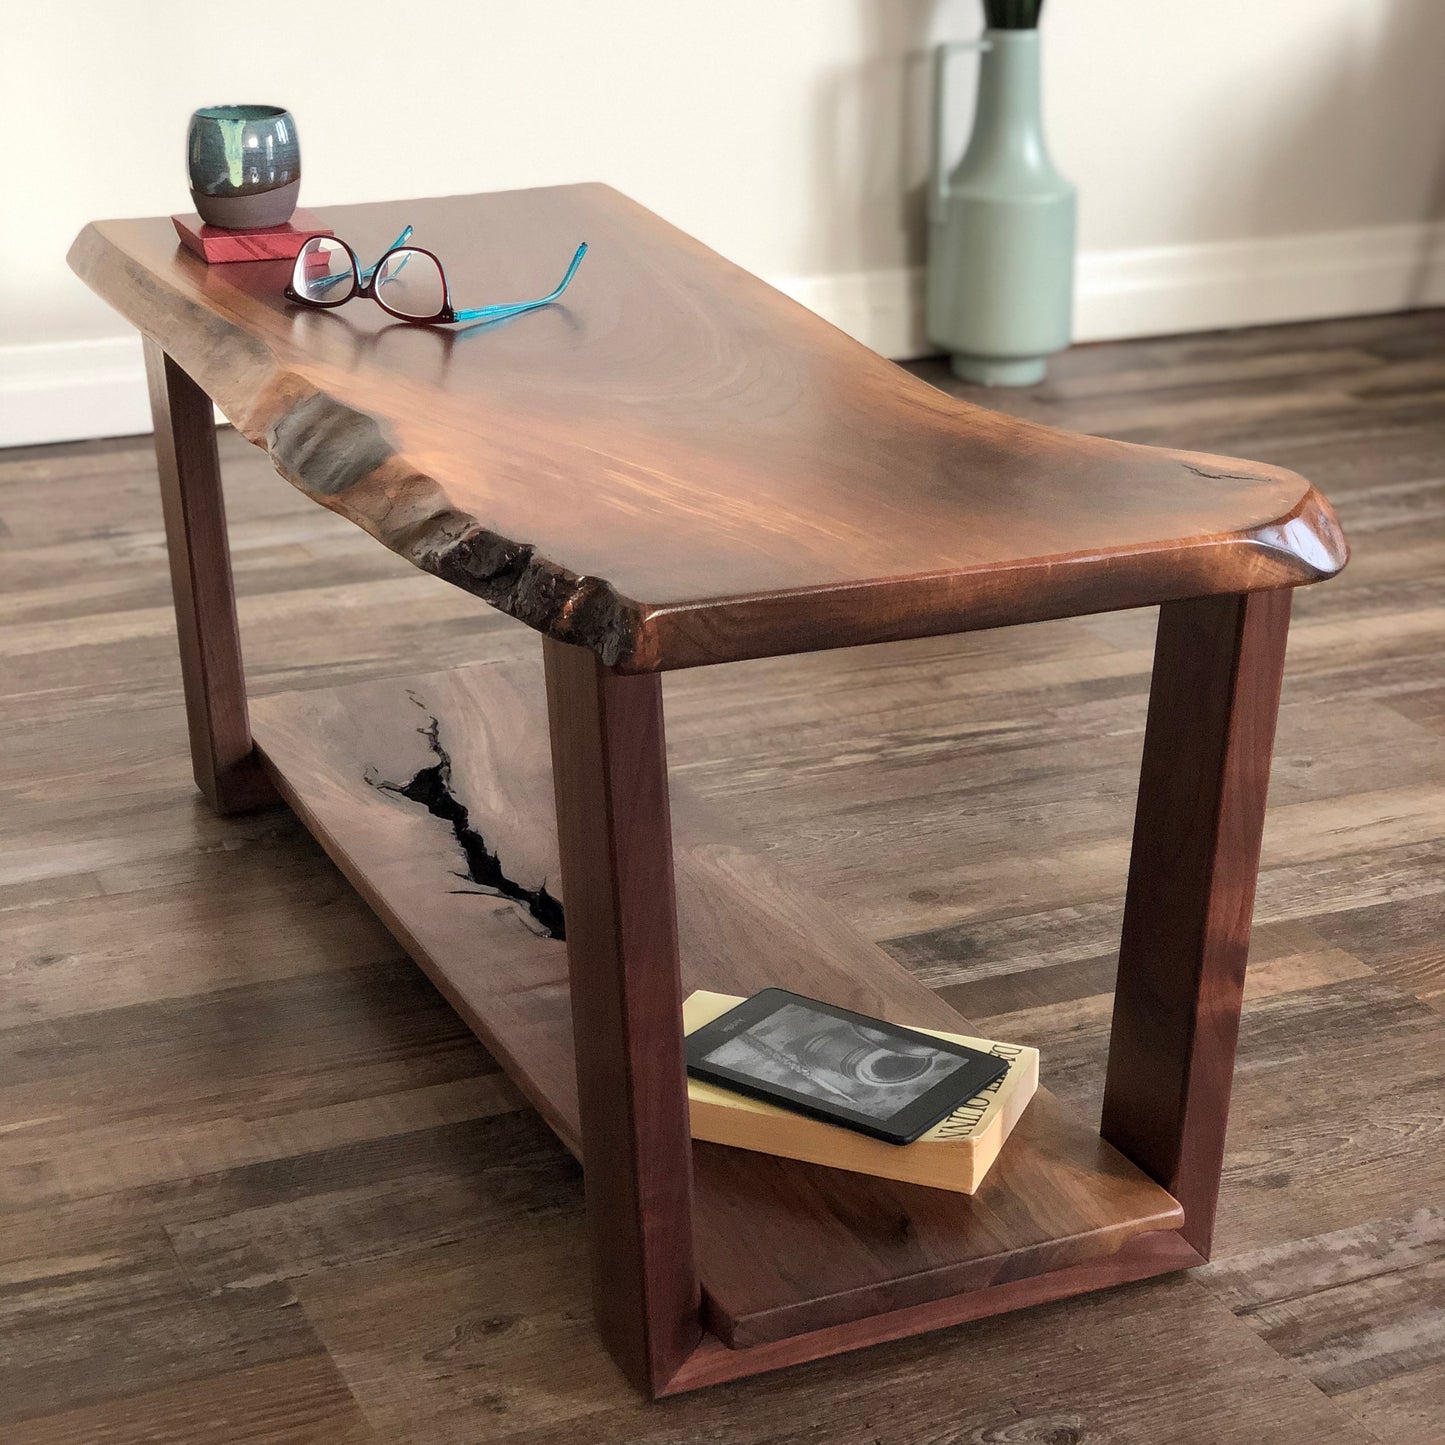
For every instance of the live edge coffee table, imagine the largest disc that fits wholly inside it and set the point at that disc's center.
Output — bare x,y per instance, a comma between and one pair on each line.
676,467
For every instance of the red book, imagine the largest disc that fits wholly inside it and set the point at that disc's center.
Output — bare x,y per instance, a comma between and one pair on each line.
269,243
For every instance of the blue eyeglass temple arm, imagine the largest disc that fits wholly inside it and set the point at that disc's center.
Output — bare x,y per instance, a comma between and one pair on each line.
480,313
401,240
496,313
325,283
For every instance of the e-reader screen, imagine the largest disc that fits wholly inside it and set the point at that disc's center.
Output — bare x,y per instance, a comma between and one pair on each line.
843,1066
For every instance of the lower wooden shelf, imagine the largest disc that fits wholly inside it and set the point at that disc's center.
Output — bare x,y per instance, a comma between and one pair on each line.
433,794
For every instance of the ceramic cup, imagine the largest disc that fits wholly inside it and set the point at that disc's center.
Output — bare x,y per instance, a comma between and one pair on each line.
245,165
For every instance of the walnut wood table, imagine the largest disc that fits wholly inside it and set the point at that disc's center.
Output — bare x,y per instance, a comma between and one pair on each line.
679,467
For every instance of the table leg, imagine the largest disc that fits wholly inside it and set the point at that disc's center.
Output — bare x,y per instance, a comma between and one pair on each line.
609,762
1207,746
222,758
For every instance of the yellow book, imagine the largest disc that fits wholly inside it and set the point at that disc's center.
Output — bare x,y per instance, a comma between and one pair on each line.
955,1154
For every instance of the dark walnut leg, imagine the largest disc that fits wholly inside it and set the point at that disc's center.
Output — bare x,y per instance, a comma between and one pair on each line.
609,763
222,758
1212,710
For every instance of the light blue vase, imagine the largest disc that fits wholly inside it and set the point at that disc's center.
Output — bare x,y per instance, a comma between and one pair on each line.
1000,285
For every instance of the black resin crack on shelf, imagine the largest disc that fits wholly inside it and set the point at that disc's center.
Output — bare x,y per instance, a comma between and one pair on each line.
431,787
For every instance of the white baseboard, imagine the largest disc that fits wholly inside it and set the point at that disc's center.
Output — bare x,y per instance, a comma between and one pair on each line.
1166,290
65,391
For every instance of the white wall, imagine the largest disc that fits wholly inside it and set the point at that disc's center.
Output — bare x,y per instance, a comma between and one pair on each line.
1238,160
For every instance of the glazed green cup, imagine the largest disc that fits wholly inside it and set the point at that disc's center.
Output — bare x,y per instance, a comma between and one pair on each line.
244,164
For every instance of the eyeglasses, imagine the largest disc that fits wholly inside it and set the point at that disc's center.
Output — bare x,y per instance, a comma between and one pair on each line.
407,282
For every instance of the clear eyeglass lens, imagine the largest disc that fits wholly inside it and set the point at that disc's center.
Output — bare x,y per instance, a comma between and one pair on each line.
409,283
323,271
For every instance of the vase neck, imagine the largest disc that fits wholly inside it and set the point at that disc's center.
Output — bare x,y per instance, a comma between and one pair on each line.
1008,118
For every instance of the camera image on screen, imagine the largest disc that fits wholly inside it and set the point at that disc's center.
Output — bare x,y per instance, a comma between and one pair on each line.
836,1060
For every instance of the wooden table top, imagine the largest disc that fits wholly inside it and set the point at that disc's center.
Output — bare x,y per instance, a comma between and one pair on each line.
676,464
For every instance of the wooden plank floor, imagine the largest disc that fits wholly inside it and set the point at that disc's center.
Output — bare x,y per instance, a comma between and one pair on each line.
258,1184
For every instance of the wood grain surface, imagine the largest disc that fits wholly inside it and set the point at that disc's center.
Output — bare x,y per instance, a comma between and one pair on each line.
615,857
676,464
201,587
1213,700
784,1248
259,1181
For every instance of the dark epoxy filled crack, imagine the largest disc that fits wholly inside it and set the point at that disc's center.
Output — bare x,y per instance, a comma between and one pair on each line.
432,789
1221,476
